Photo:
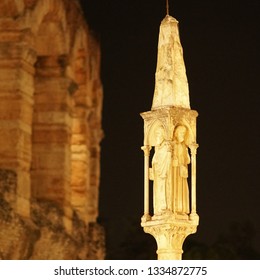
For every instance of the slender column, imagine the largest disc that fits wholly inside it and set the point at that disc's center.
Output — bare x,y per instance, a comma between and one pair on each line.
146,150
193,148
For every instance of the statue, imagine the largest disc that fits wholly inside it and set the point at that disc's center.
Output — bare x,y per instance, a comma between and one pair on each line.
159,173
170,172
180,162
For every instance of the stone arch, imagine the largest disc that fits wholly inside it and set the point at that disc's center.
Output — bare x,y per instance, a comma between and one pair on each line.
86,124
76,93
190,134
61,95
43,10
37,98
150,135
78,64
11,8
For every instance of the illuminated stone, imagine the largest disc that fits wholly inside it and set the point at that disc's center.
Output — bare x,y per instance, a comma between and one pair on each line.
171,85
50,126
170,134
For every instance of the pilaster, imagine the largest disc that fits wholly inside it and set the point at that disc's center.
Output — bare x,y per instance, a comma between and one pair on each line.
17,57
80,153
96,136
51,162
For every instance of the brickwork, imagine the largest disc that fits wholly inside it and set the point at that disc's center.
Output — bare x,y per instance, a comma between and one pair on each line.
50,127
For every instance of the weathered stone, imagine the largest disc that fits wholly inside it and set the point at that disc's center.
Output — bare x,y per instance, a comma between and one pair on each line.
171,85
50,120
170,132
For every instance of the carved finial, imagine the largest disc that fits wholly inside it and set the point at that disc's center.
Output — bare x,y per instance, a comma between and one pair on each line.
171,85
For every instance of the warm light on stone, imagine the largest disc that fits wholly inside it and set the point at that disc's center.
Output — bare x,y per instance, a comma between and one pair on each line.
50,127
170,134
171,85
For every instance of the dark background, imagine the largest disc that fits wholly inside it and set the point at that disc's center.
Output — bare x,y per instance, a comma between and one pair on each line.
221,47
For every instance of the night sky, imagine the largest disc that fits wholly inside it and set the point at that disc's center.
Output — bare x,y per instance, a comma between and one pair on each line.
221,44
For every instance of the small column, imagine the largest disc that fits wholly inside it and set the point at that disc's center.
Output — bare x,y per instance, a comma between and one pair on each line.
146,150
193,148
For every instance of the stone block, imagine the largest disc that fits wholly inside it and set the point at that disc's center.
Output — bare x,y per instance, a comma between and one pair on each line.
78,174
48,186
15,108
14,143
47,136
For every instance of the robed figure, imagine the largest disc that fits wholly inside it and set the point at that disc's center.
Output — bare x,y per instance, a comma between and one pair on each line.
160,172
180,162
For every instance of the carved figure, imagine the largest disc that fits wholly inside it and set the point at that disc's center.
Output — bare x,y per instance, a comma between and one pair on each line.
159,172
180,162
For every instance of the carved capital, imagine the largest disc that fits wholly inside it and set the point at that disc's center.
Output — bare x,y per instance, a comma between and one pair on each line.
193,148
146,150
170,237
145,218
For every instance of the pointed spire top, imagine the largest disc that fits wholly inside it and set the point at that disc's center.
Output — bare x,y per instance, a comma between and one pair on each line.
171,85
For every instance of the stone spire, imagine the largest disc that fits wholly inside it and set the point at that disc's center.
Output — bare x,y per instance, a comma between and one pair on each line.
171,85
